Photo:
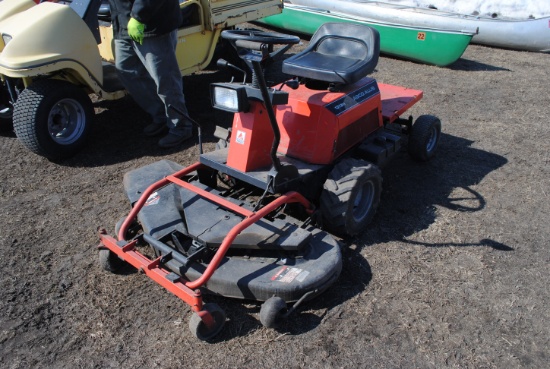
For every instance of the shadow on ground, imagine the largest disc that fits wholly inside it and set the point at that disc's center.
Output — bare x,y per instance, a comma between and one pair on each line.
412,191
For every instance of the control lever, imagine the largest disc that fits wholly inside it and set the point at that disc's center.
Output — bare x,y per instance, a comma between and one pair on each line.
293,84
222,63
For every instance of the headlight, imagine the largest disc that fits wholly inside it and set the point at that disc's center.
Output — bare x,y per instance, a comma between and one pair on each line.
229,97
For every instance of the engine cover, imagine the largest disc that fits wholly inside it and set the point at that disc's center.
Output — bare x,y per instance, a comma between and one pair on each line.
317,126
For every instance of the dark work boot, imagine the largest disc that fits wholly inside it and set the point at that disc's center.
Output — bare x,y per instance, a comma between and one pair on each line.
154,129
172,139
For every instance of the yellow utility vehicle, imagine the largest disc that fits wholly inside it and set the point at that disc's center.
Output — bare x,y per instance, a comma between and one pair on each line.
53,55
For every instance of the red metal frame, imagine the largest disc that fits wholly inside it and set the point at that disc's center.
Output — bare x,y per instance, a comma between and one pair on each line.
251,139
188,290
153,270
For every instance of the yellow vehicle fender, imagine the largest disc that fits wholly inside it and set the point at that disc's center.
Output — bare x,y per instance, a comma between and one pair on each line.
11,7
45,34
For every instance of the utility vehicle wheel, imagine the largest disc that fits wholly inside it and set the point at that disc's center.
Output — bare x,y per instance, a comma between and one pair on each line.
200,330
109,261
350,196
272,312
53,118
424,137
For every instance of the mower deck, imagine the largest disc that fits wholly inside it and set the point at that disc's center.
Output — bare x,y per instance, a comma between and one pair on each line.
270,256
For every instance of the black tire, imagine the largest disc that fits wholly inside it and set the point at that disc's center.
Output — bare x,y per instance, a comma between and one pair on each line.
200,330
132,231
109,261
424,137
52,118
350,197
272,312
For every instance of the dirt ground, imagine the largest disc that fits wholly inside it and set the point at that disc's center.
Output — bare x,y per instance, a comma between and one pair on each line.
453,271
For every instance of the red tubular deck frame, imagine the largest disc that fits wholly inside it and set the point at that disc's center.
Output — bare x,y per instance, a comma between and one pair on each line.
152,269
188,290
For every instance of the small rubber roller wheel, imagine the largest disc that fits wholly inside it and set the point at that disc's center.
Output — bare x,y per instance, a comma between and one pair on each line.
109,261
272,312
200,329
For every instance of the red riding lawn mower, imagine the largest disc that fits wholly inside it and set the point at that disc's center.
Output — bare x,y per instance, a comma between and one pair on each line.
249,220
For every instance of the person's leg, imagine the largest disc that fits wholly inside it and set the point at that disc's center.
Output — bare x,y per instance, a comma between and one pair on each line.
138,82
158,56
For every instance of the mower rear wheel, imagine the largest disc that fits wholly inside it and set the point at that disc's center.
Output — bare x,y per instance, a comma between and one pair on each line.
272,312
350,196
53,118
424,137
109,261
201,330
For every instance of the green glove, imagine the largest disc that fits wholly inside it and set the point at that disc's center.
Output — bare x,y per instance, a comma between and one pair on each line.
135,30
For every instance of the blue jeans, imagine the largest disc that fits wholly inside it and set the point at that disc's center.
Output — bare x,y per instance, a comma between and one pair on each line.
151,74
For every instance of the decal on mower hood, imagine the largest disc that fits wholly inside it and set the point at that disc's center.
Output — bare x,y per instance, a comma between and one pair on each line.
353,98
153,199
288,274
240,138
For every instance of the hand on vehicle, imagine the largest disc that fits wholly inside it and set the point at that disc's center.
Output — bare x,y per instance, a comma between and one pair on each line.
136,30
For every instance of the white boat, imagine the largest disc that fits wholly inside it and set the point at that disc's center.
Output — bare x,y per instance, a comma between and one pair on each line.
518,34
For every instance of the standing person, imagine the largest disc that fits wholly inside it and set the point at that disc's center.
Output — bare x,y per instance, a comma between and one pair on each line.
145,36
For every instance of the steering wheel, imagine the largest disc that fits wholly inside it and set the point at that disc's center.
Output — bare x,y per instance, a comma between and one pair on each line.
268,38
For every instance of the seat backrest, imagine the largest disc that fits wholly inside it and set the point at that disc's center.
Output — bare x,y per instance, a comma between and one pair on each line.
339,53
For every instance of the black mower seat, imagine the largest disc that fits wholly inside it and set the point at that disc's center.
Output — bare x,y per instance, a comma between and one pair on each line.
340,53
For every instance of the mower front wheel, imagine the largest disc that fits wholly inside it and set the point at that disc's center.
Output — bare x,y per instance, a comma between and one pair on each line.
52,118
272,312
424,137
200,329
350,196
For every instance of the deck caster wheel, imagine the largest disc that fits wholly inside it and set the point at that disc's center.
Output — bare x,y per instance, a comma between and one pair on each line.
199,328
109,261
272,312
132,231
424,137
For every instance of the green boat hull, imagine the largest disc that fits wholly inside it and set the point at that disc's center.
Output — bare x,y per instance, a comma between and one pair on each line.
424,45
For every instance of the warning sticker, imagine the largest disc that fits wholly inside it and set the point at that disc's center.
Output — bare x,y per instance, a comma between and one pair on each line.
287,275
153,199
241,137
